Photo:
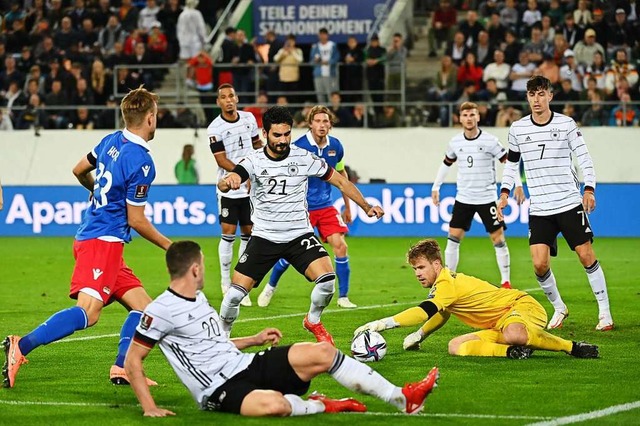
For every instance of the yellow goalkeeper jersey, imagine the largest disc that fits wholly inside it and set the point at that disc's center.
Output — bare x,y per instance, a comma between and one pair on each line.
476,302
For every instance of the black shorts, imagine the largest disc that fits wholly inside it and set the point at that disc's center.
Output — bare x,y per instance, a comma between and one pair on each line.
234,211
462,216
270,369
574,225
261,254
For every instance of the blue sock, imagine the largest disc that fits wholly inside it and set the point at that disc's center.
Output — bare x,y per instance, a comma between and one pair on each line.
126,334
278,269
59,325
343,272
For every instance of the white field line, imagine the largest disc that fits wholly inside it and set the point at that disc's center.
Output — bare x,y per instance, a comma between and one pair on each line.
299,314
614,409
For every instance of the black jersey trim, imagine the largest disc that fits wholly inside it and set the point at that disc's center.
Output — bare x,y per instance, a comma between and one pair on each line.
91,159
286,154
543,124
472,139
145,341
229,121
188,299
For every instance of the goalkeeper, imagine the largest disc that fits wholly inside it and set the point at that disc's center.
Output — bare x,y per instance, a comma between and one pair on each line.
510,322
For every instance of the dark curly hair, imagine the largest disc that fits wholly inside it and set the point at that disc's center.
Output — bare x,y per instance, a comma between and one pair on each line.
276,115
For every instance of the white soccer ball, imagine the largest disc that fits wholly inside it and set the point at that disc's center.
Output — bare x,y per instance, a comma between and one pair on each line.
368,346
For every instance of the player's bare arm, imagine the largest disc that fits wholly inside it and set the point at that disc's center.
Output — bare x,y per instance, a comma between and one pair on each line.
231,180
138,221
256,142
518,192
137,379
350,190
82,172
223,161
346,213
442,173
589,200
268,336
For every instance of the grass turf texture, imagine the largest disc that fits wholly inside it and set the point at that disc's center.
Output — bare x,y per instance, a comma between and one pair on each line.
35,274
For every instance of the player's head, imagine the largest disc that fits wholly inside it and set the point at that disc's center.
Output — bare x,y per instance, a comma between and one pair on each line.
185,260
539,93
469,115
227,99
139,111
320,120
426,260
276,128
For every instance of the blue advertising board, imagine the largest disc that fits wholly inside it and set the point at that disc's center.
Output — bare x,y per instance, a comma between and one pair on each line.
193,211
303,18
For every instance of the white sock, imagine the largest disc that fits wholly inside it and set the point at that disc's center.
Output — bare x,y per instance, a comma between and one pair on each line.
502,256
361,378
300,407
452,253
225,253
244,240
230,307
321,296
599,287
550,288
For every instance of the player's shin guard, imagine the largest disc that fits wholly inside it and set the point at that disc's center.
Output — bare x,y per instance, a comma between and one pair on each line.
548,284
59,325
225,253
452,253
343,271
321,296
599,287
229,309
278,269
502,256
540,339
300,407
126,334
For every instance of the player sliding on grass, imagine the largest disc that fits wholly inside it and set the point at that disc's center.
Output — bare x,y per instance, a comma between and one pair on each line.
119,192
222,378
511,322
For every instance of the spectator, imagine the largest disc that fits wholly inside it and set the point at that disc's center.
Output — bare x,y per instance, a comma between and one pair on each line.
107,116
15,13
483,49
35,74
25,61
596,115
570,111
168,17
17,37
200,72
582,15
596,71
469,71
243,72
10,73
621,34
166,119
565,95
55,13
358,117
78,14
571,32
300,118
157,44
342,114
82,120
375,57
131,41
390,117
33,116
530,17
110,35
548,31
498,70
13,97
457,50
191,31
116,58
65,36
445,87
56,72
507,114
549,69
396,57
512,48
128,15
591,86
185,117
148,16
325,56
470,27
497,31
555,12
137,61
45,52
185,170
272,71
7,126
88,38
601,27
229,49
127,80
572,71
82,94
289,58
101,82
520,74
509,15
352,71
442,25
620,67
536,47
624,115
58,118
587,47
101,14
259,108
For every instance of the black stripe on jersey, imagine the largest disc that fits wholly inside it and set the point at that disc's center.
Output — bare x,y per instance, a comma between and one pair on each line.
200,376
145,341
562,166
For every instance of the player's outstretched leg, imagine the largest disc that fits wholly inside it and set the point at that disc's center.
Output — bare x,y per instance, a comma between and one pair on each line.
584,350
13,359
278,269
244,239
504,261
338,405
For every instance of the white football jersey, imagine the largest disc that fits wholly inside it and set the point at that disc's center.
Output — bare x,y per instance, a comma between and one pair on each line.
279,192
476,181
236,137
190,335
547,151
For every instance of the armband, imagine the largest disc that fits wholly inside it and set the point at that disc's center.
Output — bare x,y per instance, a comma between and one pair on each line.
91,159
589,189
429,307
513,156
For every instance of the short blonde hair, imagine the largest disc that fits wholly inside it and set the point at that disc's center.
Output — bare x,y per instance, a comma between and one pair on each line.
468,105
427,248
321,109
136,105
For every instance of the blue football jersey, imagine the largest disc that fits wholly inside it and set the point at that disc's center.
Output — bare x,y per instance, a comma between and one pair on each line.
124,173
319,192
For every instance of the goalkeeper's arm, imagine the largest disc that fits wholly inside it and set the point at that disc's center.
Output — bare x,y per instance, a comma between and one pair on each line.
412,341
412,316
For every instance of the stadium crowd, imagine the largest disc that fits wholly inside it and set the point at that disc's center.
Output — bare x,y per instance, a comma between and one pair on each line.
55,53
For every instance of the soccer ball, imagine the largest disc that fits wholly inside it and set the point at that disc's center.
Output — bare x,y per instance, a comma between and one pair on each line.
368,346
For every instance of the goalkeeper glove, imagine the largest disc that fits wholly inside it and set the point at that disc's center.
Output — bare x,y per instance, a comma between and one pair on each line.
378,325
412,341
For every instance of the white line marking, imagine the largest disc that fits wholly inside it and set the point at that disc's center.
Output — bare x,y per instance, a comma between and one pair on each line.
590,415
300,314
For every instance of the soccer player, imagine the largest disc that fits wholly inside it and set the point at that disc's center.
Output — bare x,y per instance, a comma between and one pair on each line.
330,224
511,322
279,177
546,143
476,189
222,378
119,191
232,136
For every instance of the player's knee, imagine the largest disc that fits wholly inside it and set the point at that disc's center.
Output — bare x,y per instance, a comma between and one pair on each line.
276,406
541,266
266,403
515,334
324,354
454,346
93,315
340,248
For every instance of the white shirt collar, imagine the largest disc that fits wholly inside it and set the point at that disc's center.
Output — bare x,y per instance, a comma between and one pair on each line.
136,139
312,141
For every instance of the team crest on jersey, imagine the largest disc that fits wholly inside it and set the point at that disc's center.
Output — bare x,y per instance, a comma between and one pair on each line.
555,134
145,321
243,258
293,170
332,153
225,212
141,191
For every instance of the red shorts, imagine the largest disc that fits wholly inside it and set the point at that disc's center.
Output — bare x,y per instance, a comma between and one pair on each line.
101,268
328,221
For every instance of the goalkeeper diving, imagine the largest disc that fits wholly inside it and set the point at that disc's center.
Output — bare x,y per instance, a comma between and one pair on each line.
510,322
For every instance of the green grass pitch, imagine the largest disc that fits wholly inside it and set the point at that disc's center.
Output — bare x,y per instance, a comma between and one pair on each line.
67,382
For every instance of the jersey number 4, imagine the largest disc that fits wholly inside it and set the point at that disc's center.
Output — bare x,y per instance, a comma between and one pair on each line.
100,191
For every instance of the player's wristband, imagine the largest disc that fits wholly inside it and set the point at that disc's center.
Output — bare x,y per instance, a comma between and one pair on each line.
589,189
505,191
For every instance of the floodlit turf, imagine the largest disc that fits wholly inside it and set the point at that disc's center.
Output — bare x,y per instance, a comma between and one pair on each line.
67,382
